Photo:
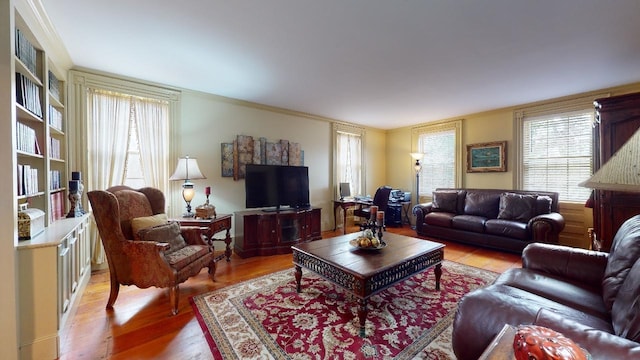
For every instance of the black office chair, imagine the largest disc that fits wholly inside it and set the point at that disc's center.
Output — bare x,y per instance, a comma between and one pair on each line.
380,199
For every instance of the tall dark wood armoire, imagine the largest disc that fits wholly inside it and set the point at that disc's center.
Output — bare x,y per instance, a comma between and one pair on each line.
617,119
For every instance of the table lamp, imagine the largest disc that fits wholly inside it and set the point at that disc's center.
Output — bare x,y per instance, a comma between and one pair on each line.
187,170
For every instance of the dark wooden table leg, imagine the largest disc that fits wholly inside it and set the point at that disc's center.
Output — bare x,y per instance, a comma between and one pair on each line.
227,251
362,315
335,216
438,272
344,219
298,274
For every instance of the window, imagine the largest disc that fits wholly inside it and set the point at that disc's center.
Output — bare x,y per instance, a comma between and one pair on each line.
556,153
348,163
440,164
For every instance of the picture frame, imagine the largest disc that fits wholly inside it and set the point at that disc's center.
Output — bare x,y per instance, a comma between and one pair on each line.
487,157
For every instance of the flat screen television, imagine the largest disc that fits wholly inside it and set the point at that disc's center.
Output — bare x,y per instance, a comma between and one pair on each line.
276,186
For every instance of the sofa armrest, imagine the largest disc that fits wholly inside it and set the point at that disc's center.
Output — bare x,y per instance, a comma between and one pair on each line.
546,227
194,235
600,344
582,265
420,211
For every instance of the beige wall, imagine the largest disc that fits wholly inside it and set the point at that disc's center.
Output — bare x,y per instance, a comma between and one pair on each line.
496,125
208,120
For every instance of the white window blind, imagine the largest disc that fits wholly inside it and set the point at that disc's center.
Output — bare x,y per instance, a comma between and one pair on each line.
438,164
556,153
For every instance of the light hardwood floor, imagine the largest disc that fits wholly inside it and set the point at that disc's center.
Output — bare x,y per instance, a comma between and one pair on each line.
140,325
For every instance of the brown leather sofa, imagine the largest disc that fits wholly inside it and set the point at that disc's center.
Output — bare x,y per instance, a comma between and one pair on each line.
501,219
590,297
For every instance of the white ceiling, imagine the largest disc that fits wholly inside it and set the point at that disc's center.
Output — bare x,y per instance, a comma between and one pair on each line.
382,63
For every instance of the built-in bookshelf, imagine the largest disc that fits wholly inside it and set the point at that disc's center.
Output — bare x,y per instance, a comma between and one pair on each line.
40,127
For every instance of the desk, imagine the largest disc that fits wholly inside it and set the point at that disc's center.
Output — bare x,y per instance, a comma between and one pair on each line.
215,225
344,204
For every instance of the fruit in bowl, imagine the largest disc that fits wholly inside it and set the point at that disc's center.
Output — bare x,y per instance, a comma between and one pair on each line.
364,242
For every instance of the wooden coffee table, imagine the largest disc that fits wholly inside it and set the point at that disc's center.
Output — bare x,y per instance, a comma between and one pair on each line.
364,273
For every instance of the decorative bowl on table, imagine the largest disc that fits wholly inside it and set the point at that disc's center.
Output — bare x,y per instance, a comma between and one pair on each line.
366,243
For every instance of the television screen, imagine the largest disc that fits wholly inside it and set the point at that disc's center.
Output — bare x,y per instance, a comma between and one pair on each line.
294,186
276,186
261,186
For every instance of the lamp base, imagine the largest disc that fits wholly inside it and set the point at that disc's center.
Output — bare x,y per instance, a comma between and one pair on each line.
188,215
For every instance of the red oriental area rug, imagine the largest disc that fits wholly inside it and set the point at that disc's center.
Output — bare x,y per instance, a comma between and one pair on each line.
265,318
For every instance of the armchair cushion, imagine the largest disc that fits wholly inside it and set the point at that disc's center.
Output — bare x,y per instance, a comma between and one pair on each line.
142,222
625,313
186,256
165,233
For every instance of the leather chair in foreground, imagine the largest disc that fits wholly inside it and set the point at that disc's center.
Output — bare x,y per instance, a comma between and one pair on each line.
142,247
591,297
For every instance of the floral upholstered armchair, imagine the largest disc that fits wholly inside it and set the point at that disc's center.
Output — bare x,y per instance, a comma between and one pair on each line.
143,248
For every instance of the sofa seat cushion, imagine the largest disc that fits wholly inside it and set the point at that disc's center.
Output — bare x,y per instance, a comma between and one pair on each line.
469,223
482,204
573,294
182,258
508,228
439,219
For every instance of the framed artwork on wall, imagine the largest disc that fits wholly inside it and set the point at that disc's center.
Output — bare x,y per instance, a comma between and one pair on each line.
487,157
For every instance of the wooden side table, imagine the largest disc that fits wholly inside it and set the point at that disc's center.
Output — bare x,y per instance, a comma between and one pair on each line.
501,347
214,225
344,204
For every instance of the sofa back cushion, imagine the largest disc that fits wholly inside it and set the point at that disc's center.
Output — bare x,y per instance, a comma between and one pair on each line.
482,204
624,253
625,314
543,204
517,207
445,201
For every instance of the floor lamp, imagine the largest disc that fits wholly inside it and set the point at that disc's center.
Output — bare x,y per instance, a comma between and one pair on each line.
417,167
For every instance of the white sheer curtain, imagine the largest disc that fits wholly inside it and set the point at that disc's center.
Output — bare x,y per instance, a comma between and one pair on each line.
108,134
349,161
152,122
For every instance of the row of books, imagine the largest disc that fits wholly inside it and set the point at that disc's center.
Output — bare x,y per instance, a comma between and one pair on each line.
54,148
25,51
57,203
55,180
54,86
27,139
27,180
55,117
28,95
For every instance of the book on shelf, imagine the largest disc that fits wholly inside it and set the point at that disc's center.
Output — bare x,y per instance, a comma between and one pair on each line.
54,148
25,51
27,180
55,117
56,206
27,140
54,86
28,95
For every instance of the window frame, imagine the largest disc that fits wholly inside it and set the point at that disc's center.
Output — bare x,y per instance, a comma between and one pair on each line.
417,132
354,130
559,108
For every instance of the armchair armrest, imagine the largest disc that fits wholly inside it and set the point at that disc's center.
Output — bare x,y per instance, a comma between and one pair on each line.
546,227
600,344
142,256
582,265
420,211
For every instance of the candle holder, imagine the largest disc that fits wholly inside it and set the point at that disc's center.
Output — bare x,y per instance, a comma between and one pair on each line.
206,210
376,227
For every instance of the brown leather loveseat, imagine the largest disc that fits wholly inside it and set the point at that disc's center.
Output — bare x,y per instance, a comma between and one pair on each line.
590,297
501,219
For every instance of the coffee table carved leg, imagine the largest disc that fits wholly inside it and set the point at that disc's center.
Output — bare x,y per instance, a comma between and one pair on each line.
298,274
362,315
438,272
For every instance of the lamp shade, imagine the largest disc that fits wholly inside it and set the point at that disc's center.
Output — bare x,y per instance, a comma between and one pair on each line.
621,172
187,169
417,155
